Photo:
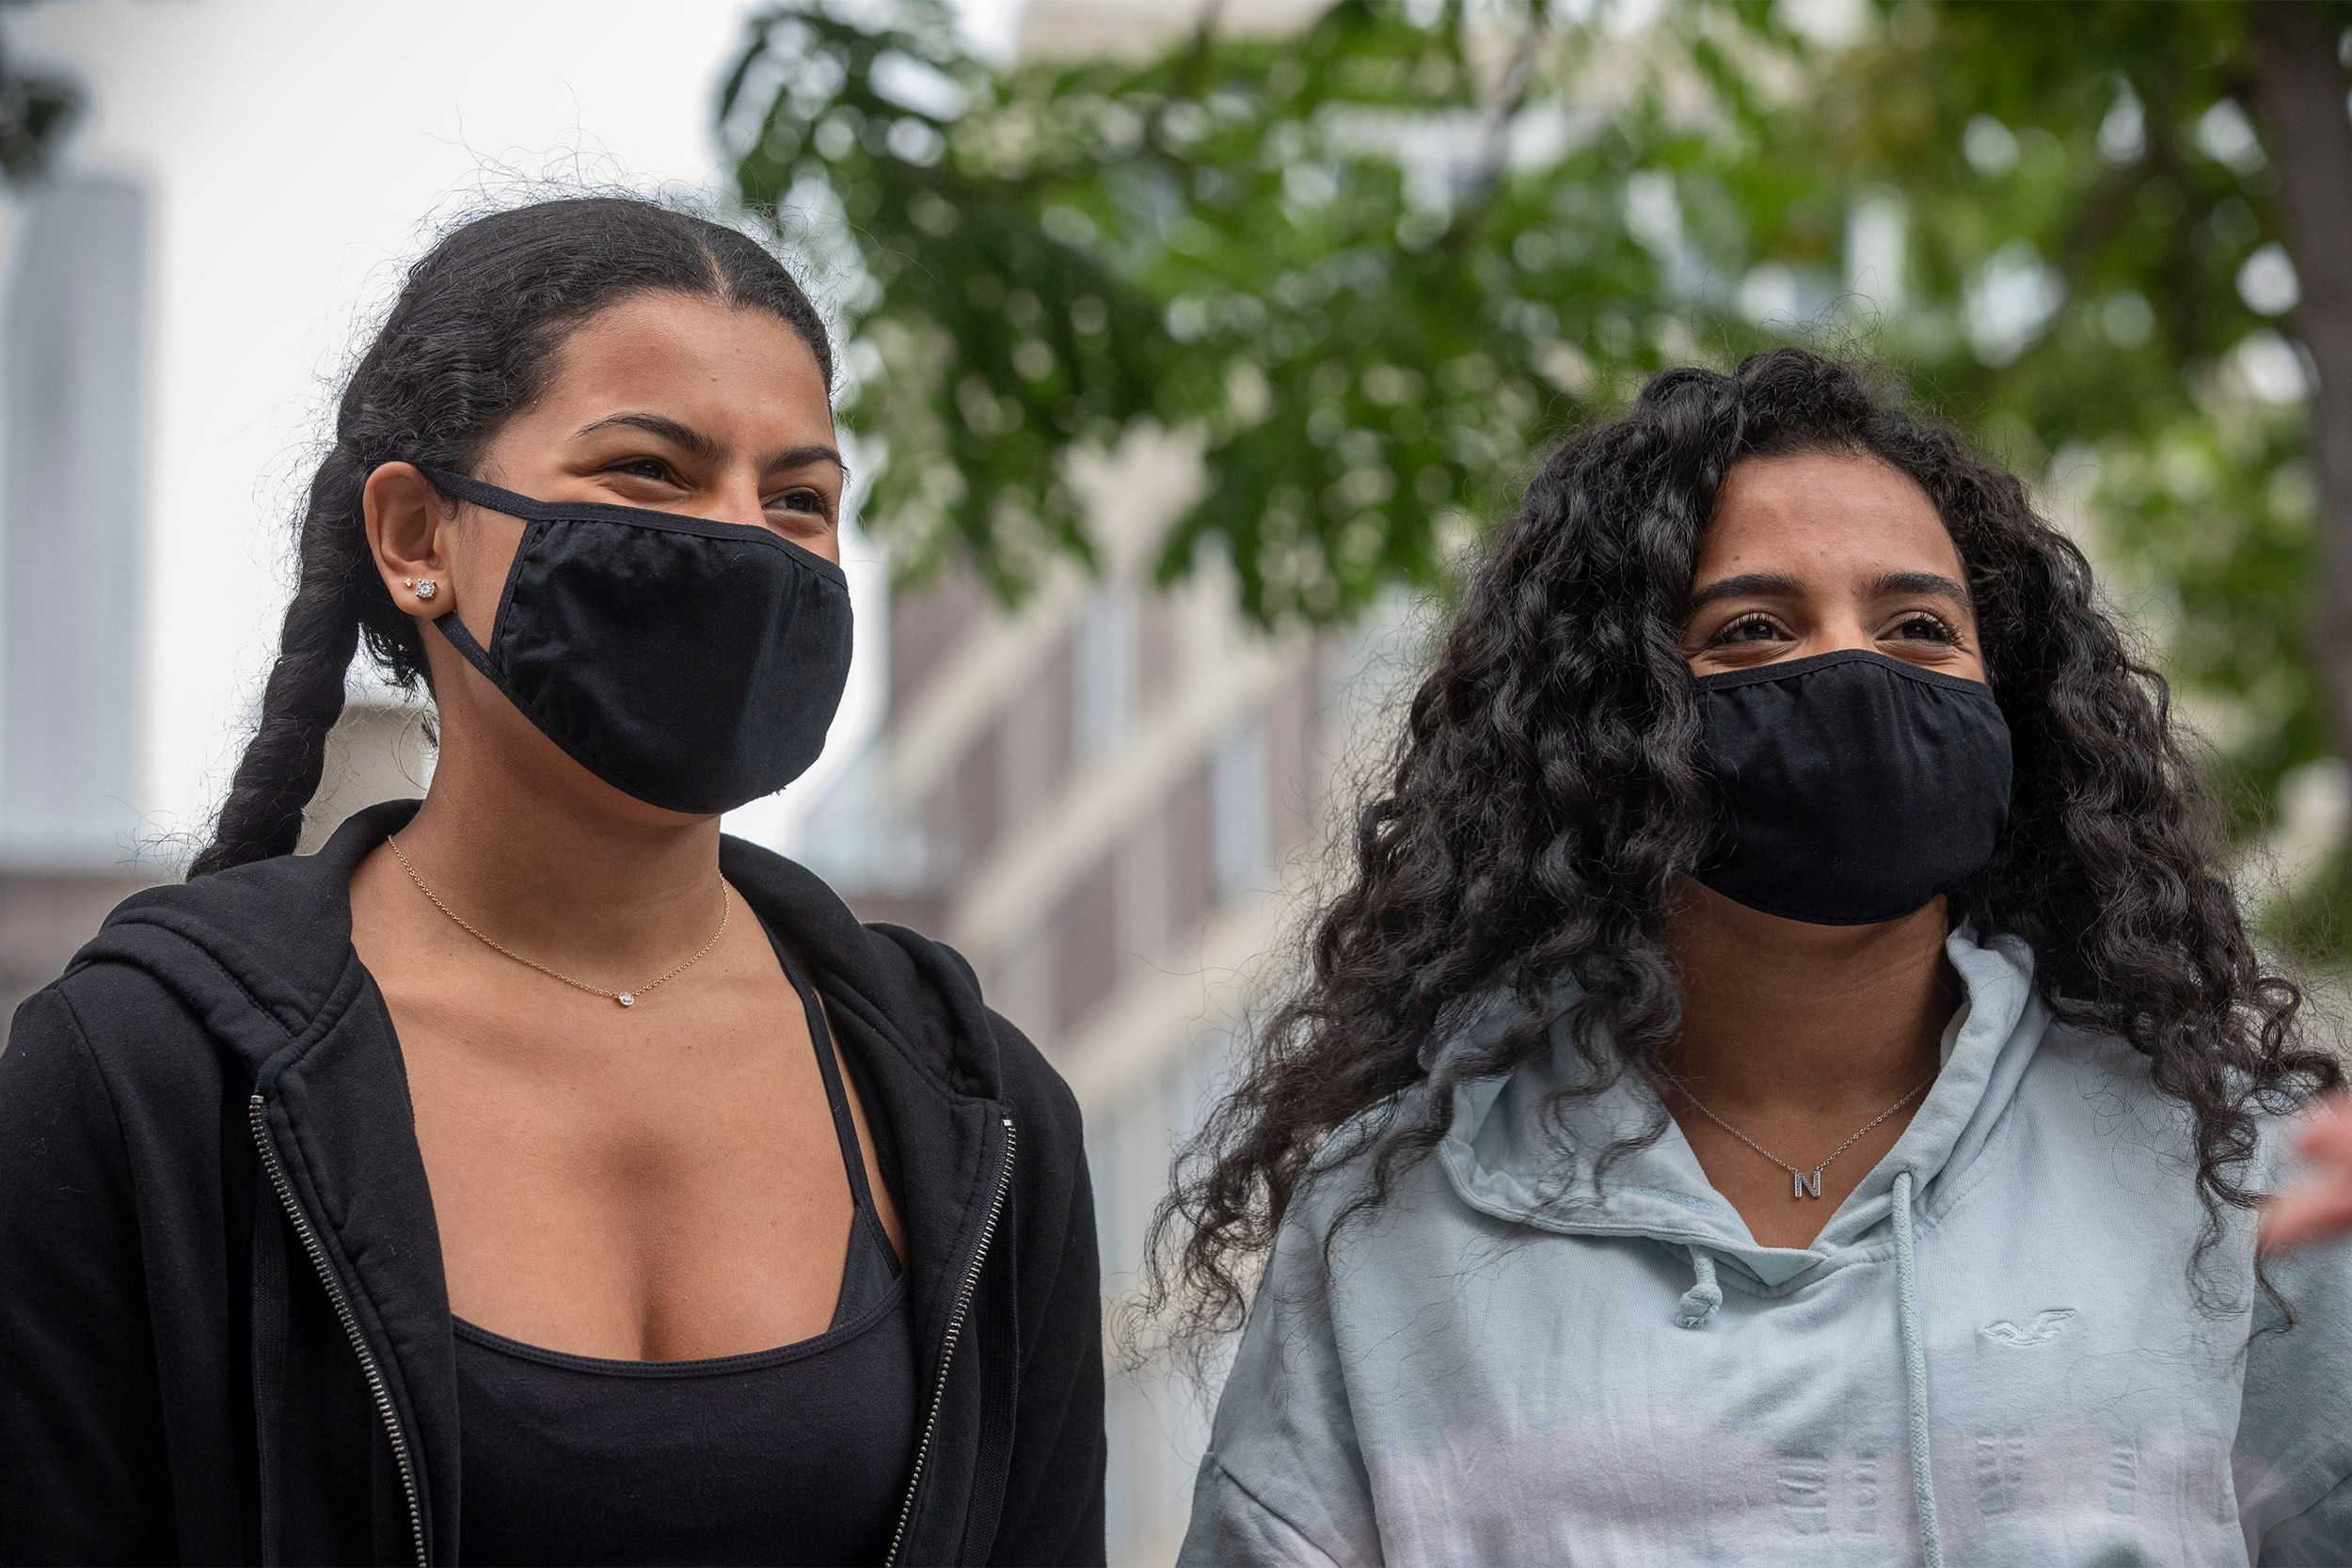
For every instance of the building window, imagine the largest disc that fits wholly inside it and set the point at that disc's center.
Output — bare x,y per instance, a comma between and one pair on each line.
1237,810
1191,879
1157,1425
1104,670
1033,743
1085,942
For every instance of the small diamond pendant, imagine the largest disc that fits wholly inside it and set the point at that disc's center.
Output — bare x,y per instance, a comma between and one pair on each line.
1807,1188
626,1000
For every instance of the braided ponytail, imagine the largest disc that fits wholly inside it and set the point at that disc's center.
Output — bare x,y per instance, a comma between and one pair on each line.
469,342
279,771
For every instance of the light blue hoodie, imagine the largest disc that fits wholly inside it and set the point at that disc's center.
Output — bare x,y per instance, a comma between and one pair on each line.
1993,1353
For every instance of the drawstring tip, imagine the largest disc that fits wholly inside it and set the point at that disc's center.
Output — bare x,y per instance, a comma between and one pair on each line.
1695,1309
1699,1302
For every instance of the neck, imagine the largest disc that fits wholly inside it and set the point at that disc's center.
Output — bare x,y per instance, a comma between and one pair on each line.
1781,1015
545,858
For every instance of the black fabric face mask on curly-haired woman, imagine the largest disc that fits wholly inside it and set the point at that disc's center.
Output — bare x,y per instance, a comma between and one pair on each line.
1855,786
533,1174
1789,1081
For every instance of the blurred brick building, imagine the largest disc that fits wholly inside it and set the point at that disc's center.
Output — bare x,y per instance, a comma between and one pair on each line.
1110,800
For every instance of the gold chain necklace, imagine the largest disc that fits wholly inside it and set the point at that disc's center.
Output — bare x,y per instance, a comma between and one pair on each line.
625,998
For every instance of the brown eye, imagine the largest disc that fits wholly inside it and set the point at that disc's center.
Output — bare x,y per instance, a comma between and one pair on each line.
1749,629
1924,628
803,501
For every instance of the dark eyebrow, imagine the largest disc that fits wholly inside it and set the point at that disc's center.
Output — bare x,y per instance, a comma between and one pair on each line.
1922,582
1766,585
707,450
800,457
669,430
1772,585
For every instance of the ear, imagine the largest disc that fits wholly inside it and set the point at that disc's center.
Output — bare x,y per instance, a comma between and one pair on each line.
406,528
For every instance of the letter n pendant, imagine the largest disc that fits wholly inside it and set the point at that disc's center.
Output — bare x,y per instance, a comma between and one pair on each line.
1806,1187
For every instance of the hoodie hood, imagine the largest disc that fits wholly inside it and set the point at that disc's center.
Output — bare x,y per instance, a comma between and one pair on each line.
1503,1154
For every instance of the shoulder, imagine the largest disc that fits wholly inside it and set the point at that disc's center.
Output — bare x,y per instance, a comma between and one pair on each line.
2095,1085
993,1064
118,1026
232,967
2088,1091
941,982
1032,1084
913,1006
1366,1200
47,1062
84,1095
111,1083
932,989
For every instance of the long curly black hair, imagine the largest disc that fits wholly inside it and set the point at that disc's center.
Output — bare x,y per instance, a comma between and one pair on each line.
1547,792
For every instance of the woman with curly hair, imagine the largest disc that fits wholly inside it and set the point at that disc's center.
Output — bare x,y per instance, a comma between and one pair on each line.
1788,1079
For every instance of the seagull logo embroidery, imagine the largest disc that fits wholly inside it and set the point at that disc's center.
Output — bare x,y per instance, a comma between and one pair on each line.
2046,1325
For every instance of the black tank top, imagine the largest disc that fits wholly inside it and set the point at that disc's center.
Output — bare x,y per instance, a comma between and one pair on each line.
793,1455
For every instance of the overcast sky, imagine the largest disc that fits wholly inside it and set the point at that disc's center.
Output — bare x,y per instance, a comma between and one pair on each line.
299,155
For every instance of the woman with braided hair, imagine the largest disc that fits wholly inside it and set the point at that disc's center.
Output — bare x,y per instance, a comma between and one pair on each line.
534,1175
1789,1080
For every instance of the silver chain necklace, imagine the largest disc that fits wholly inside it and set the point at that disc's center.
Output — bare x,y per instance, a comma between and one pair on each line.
1806,1186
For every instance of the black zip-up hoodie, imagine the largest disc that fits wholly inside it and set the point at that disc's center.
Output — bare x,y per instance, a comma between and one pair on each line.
223,1331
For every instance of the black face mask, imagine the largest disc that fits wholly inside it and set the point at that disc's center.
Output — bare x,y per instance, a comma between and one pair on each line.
693,664
1856,787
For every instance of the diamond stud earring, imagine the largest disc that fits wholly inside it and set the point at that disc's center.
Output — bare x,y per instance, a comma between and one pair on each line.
426,589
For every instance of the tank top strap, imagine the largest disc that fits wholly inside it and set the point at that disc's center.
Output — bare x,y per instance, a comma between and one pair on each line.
837,1096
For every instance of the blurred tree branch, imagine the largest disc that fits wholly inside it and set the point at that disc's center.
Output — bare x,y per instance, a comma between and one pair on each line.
1238,240
36,108
2300,90
1374,266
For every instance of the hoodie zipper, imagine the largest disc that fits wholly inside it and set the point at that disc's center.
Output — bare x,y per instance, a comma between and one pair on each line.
947,1348
258,1114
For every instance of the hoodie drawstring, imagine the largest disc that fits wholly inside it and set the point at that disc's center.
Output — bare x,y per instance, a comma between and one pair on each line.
1699,1302
1915,1374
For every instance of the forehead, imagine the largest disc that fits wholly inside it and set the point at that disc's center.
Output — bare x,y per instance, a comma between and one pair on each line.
1823,517
726,361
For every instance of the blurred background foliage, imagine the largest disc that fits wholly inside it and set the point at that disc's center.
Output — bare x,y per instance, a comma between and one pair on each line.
1373,267
37,107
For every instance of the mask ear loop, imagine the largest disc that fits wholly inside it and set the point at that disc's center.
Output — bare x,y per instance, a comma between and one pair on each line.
463,639
490,499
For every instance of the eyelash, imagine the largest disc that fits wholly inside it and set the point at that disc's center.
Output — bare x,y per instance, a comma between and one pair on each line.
1753,618
631,466
1942,633
662,471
